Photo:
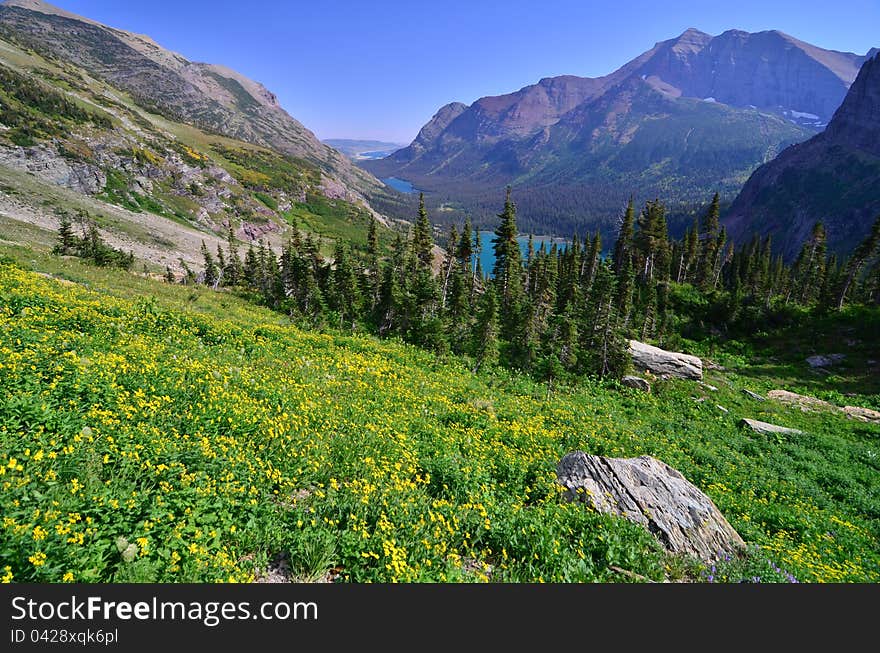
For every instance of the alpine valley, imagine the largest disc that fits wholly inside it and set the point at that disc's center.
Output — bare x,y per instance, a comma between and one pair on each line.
230,353
691,116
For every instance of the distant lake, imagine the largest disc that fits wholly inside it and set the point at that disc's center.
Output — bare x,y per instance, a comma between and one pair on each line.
487,255
378,154
401,185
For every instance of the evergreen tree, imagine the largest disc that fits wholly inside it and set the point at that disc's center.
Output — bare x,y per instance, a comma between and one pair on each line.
465,252
423,242
345,294
867,249
484,340
810,266
374,279
450,262
210,267
625,236
67,240
507,270
709,233
250,268
233,273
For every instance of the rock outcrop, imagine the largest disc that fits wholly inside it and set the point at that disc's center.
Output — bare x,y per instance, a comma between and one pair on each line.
765,428
636,382
649,492
801,401
665,363
863,414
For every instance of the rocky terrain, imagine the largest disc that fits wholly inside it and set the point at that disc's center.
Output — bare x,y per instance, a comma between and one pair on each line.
76,115
833,178
211,97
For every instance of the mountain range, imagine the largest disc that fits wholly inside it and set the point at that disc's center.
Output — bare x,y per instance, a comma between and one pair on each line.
833,178
692,115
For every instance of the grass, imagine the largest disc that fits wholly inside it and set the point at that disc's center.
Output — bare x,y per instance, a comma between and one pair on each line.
214,437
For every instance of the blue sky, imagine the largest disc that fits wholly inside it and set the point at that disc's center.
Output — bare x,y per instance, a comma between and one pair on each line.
381,68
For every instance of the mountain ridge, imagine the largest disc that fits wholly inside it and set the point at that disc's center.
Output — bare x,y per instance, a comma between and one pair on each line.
210,96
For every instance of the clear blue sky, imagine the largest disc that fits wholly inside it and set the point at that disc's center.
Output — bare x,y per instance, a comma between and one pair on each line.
381,68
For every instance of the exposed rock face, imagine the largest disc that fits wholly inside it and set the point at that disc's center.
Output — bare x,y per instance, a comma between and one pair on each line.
47,164
651,493
636,382
801,401
863,414
441,120
209,96
765,428
665,363
832,178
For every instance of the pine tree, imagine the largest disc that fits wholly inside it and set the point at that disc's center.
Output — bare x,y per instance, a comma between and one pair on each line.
709,232
465,252
624,299
507,270
450,262
374,279
423,243
345,294
67,241
625,235
484,340
690,254
593,260
866,250
233,273
169,275
250,268
810,265
210,267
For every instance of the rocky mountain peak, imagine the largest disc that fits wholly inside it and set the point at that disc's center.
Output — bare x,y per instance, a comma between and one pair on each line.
857,122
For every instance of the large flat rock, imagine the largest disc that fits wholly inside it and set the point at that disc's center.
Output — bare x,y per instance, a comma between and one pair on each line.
649,492
664,363
803,402
766,428
864,414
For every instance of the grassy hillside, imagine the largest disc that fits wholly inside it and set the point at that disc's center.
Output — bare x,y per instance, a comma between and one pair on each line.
156,432
86,146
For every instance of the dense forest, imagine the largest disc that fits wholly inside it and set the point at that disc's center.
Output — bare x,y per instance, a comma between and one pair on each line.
556,313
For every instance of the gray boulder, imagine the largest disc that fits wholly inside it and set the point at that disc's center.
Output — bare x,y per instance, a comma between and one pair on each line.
649,492
664,363
754,395
765,428
636,382
825,361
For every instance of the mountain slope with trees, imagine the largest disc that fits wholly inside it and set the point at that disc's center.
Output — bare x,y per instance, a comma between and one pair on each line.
693,115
